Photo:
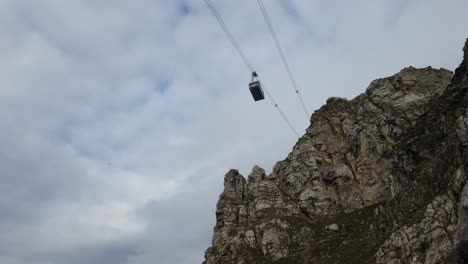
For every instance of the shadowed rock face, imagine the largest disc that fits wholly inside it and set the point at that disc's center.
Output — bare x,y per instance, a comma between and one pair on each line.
461,242
462,252
377,179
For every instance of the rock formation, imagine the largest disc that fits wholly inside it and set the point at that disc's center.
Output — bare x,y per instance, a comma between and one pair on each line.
377,179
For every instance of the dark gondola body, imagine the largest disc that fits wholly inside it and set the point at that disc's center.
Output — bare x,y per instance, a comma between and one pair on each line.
256,90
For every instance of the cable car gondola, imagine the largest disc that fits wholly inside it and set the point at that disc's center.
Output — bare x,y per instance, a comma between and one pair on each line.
256,88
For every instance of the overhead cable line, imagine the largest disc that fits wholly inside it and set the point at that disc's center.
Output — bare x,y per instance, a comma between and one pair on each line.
277,107
247,62
230,36
280,51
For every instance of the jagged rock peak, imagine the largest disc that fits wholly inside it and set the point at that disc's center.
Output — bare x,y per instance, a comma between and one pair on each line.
376,179
234,184
461,73
257,174
461,237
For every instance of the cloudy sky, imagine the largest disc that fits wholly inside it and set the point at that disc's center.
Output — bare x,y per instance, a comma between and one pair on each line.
120,118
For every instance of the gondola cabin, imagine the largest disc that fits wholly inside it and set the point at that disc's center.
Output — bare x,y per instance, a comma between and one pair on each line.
256,88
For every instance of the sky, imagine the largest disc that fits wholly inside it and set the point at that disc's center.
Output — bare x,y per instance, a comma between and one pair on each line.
120,118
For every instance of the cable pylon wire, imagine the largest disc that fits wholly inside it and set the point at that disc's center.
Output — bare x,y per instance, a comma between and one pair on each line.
277,107
230,36
247,63
283,58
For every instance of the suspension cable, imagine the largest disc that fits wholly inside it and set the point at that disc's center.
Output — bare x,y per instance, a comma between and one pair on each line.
277,107
283,58
247,62
230,36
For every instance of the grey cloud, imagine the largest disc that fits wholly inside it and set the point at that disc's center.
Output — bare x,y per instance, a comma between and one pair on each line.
119,119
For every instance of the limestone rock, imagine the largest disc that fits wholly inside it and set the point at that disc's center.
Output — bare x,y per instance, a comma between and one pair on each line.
429,241
345,160
333,227
384,173
461,239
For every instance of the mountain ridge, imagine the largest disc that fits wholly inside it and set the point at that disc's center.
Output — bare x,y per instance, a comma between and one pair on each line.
376,179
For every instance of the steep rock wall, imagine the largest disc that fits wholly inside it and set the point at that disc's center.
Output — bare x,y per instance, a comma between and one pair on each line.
377,179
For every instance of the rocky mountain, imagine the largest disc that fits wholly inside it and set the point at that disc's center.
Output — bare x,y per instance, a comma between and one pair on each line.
381,178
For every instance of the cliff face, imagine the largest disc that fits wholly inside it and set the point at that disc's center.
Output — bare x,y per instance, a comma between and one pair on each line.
377,179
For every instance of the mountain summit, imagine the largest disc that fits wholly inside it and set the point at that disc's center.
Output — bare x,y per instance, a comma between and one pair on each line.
381,178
